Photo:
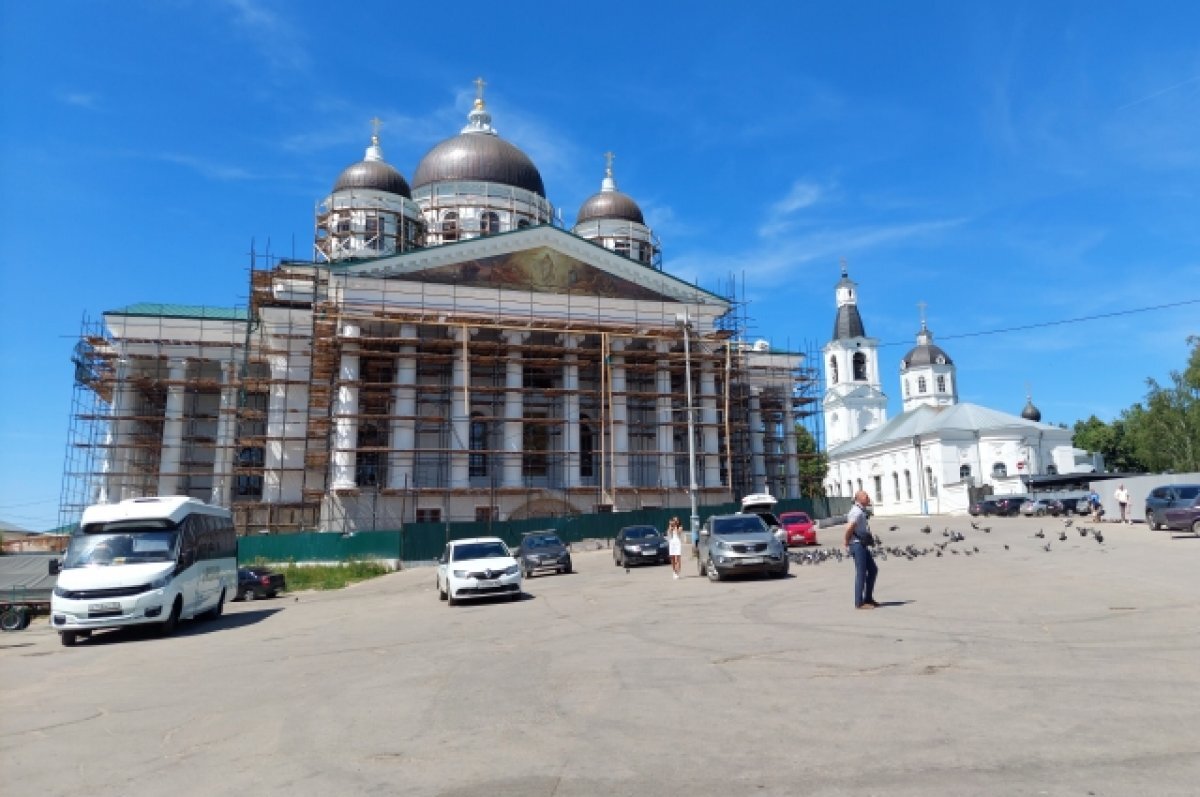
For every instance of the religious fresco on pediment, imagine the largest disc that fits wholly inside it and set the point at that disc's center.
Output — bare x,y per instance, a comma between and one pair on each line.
542,270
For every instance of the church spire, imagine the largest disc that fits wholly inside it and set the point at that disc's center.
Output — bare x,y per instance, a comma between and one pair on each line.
479,120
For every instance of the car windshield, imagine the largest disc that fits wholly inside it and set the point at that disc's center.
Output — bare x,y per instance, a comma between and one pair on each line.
640,532
794,517
745,524
478,550
542,541
1188,492
122,543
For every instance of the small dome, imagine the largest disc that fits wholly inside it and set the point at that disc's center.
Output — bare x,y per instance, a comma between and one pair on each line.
1031,413
926,352
372,172
375,175
610,205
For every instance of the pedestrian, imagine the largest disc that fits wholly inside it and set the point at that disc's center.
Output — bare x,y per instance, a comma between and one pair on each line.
1122,496
1097,510
858,538
695,541
675,544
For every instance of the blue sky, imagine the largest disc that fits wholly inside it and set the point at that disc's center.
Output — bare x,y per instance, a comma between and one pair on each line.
1007,163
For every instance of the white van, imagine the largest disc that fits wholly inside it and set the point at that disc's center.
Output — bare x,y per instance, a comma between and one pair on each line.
144,561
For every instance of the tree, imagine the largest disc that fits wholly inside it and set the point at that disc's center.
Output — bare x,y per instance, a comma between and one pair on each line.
814,464
1110,440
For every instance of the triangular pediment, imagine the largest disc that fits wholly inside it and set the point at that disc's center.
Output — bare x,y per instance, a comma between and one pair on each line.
538,259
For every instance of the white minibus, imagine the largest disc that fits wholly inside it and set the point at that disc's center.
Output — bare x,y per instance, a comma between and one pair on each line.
144,561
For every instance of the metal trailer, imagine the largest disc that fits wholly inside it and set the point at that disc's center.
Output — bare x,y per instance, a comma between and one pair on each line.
25,589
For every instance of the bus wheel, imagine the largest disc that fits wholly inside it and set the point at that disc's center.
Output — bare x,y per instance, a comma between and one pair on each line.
67,638
167,627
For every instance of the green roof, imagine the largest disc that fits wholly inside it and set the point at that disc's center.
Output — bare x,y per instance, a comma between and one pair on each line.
159,310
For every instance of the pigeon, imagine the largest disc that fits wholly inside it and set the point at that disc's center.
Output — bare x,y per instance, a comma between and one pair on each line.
1099,536
1062,536
893,528
945,532
1046,547
974,525
1083,531
1067,523
1040,534
987,529
1006,546
925,529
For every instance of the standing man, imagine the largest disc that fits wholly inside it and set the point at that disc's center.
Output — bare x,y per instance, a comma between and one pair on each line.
858,540
1122,496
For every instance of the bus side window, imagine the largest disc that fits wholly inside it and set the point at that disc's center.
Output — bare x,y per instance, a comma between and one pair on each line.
187,541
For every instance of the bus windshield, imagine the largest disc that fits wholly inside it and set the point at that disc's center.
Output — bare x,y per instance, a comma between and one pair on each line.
122,543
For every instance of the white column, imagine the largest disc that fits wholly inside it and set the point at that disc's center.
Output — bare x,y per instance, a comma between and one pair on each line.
460,412
172,437
222,477
666,431
791,459
345,413
758,467
403,432
570,383
620,414
120,430
708,416
514,408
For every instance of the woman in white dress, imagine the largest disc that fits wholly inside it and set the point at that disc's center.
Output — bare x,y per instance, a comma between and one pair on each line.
675,544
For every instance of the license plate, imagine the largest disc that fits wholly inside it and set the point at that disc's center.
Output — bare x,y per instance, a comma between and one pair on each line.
104,607
485,583
751,560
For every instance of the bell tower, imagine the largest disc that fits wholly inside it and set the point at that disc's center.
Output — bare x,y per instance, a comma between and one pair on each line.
854,399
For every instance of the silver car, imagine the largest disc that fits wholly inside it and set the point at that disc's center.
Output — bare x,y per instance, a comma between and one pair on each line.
736,544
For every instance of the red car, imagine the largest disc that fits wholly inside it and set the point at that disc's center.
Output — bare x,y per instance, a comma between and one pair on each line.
799,527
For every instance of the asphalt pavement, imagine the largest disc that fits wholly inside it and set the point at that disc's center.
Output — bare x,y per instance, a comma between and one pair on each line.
1007,670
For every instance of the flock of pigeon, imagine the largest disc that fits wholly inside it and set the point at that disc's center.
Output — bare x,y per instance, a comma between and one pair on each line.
882,552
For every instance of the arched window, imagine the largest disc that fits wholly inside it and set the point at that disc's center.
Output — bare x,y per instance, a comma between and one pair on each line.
921,386
849,488
878,488
964,471
479,435
930,482
906,388
587,447
860,484
999,470
941,384
896,483
833,372
908,484
860,367
450,225
489,223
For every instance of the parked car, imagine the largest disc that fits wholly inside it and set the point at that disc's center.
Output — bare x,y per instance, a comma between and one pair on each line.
1185,517
1075,506
737,544
479,567
542,550
640,545
799,527
1040,507
1169,496
1009,507
259,582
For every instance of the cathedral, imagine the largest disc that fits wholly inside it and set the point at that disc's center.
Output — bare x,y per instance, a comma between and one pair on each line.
450,352
931,458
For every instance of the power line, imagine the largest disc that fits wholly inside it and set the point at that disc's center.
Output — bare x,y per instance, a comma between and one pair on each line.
1060,322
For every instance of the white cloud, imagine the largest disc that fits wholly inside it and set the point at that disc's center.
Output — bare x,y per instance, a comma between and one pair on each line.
803,194
279,41
207,168
81,99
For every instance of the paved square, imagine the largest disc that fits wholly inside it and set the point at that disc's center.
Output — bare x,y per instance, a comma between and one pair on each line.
1020,671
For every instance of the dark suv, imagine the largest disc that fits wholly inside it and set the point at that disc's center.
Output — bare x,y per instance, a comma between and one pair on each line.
1167,497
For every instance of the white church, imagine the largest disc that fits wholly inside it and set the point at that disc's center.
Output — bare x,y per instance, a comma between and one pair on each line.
925,460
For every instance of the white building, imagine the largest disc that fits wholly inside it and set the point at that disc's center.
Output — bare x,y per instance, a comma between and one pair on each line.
926,460
450,354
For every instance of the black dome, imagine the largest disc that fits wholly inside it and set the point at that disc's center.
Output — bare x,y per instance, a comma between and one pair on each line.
610,205
375,175
479,156
926,354
849,323
1031,413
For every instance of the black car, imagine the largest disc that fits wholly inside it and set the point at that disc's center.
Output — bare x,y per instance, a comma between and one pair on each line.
542,550
1168,496
259,582
639,544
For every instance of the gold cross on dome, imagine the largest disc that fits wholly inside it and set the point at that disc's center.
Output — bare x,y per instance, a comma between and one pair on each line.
479,84
608,162
376,123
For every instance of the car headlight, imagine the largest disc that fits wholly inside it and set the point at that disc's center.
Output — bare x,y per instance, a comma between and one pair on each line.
721,545
461,573
60,592
631,547
511,570
161,581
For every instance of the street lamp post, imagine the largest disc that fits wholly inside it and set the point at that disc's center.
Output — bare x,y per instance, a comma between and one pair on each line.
683,321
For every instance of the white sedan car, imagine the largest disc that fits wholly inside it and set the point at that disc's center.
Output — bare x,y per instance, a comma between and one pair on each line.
481,567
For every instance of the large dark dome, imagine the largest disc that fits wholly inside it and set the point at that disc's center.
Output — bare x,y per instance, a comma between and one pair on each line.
373,174
926,354
610,205
479,156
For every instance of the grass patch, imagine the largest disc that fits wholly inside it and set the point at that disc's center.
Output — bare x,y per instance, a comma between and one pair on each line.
331,576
